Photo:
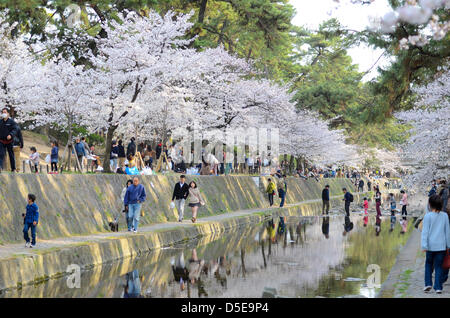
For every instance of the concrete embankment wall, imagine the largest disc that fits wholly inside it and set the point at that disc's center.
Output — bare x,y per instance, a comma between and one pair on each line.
84,204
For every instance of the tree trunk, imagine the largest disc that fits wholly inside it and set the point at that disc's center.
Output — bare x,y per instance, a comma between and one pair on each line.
291,164
109,138
201,14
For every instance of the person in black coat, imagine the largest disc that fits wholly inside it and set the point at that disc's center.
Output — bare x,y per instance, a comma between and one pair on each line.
131,149
17,145
121,153
8,130
326,199
180,194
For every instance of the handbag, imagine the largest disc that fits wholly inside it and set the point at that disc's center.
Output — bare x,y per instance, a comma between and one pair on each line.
446,262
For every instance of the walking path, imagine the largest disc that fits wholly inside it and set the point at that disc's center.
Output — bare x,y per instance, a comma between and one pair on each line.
16,249
406,279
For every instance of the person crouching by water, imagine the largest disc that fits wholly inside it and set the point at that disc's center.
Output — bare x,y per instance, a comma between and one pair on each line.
134,196
195,200
128,220
30,220
435,243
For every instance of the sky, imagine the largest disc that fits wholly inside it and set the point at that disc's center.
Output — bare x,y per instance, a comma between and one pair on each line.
311,13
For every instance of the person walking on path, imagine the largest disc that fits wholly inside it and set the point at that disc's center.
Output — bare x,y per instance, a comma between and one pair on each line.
378,201
8,130
361,185
195,200
348,198
435,243
128,220
404,202
271,187
134,197
121,154
30,221
326,199
54,157
180,194
282,187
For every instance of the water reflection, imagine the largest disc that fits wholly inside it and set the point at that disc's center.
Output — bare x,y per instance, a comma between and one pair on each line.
298,256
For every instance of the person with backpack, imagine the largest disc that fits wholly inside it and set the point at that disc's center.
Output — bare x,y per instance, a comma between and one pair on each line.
271,187
348,198
435,242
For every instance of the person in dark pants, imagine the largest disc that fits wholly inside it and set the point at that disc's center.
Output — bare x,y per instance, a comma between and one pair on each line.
8,130
131,149
180,194
54,156
361,185
326,199
17,147
282,189
348,199
348,225
435,243
271,187
121,154
30,221
326,227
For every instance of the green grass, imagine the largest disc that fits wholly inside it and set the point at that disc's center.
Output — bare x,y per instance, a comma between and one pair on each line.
403,284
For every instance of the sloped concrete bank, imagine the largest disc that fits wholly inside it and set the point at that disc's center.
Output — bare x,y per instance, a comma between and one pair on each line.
45,264
85,204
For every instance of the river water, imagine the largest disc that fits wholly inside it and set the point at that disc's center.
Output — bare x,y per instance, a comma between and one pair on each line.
307,257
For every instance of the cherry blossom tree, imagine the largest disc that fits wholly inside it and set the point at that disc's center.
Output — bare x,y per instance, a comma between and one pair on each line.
427,151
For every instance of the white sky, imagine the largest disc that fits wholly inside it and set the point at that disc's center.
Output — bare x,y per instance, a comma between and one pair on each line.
311,13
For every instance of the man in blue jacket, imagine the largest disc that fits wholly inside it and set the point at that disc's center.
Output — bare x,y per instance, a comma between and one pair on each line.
348,198
31,219
134,197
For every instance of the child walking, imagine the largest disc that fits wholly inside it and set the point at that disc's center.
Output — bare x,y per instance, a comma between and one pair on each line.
30,220
34,158
54,157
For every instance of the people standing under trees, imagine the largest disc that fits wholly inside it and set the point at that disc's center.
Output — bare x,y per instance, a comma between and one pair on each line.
369,185
281,187
128,220
34,159
443,191
80,152
378,201
134,197
121,154
86,151
180,194
435,243
393,206
404,202
195,200
54,157
114,156
158,149
8,129
131,148
361,185
326,199
149,154
271,187
17,146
